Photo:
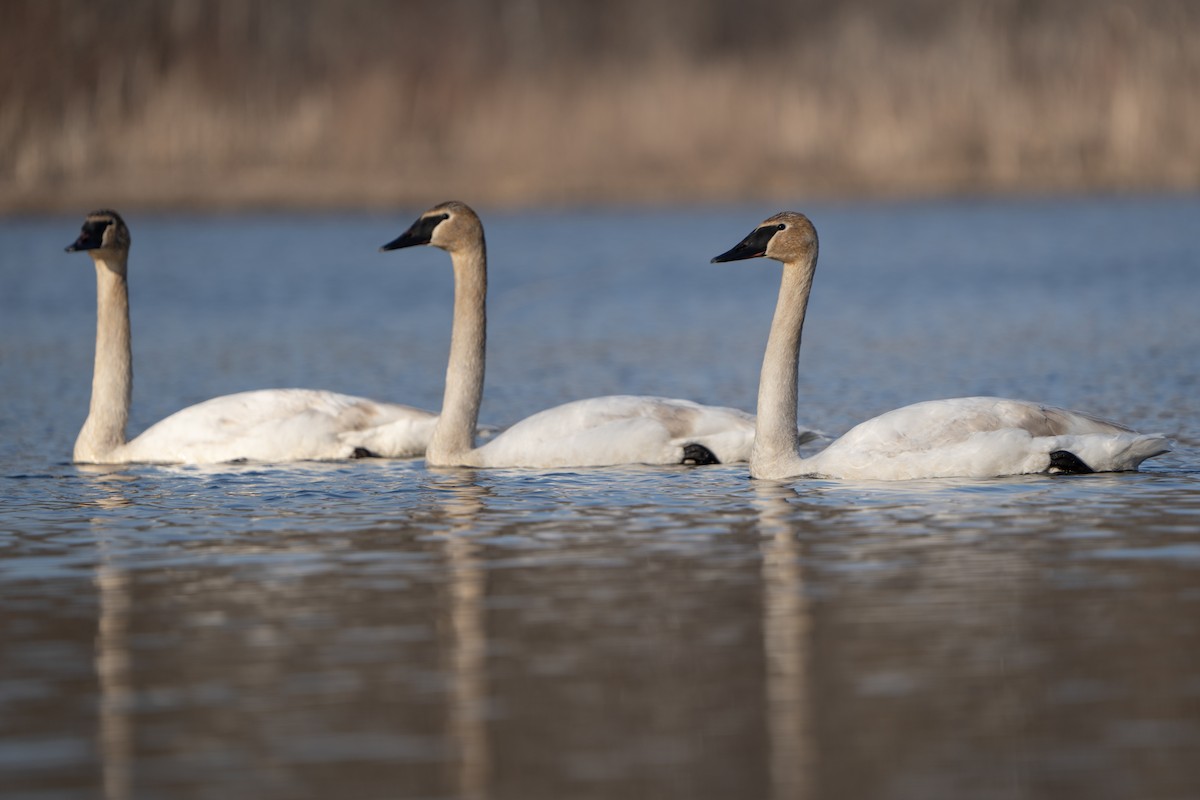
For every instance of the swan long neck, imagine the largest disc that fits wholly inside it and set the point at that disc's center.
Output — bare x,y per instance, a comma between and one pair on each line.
454,435
776,440
112,374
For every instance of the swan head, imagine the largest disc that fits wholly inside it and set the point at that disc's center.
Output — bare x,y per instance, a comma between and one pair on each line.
450,226
104,233
788,237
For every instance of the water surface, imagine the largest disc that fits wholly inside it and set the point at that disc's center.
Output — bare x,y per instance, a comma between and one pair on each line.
378,629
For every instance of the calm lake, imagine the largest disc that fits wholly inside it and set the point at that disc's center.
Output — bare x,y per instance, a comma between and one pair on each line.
379,630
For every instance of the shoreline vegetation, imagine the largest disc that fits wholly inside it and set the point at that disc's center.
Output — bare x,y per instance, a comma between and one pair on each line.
236,104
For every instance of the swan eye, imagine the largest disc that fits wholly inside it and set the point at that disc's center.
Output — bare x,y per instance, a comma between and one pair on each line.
780,226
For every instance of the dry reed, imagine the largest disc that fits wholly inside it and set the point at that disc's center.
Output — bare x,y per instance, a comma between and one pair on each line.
236,103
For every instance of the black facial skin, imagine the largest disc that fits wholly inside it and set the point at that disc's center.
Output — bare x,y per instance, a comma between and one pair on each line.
91,237
753,246
421,232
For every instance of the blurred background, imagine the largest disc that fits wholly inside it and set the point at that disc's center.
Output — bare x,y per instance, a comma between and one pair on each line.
372,103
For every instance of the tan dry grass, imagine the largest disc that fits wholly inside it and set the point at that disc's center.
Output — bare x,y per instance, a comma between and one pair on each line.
234,103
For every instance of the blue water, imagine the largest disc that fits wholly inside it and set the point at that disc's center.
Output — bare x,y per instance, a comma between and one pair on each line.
377,629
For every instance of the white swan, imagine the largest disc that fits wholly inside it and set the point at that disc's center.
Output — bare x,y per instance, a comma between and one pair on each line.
975,437
270,425
600,431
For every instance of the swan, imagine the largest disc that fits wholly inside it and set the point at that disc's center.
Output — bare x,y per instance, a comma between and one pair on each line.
599,431
270,425
971,437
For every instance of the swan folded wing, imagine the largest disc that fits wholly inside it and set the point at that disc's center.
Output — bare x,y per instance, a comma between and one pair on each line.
635,440
728,433
281,425
978,455
939,423
995,413
991,454
1062,421
404,437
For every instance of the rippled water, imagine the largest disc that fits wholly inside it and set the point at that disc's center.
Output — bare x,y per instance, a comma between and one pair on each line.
377,629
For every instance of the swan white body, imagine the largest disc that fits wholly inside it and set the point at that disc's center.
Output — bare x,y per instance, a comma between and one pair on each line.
974,437
278,425
269,425
969,437
620,429
600,431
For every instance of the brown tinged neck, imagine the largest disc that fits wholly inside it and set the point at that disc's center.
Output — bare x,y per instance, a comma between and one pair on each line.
775,434
112,374
454,435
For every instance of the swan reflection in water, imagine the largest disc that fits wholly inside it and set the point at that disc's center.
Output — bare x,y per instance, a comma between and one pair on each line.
787,639
111,658
461,498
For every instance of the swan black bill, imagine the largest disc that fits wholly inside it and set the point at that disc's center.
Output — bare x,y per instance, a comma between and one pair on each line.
753,246
90,238
420,232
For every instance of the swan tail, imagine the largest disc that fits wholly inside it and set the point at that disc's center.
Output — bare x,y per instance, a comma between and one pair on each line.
1106,453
